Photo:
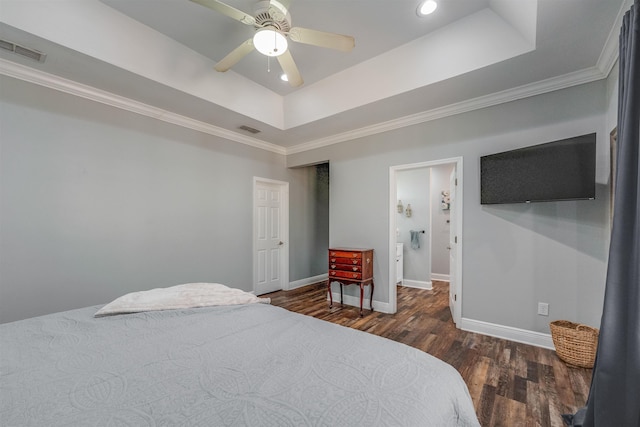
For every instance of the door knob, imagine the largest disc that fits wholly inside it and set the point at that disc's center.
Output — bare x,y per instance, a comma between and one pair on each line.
281,243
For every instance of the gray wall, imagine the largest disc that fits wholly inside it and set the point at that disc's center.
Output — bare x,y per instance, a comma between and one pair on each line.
413,188
96,202
514,255
439,226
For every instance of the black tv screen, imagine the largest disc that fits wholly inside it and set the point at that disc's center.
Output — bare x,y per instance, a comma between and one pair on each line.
559,170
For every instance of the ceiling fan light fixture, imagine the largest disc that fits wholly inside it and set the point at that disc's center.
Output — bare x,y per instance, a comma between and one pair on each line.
427,7
270,42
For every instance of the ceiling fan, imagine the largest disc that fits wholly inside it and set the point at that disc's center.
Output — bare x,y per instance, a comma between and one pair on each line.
272,23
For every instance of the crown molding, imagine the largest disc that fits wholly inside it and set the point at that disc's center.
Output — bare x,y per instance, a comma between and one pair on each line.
610,51
607,60
51,81
549,85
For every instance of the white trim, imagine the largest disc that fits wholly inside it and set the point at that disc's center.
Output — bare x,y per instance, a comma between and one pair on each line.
610,51
284,227
549,85
354,301
418,284
393,197
607,58
52,81
510,333
440,277
458,206
308,281
537,339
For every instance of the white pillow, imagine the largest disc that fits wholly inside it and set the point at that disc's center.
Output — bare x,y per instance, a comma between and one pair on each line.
189,295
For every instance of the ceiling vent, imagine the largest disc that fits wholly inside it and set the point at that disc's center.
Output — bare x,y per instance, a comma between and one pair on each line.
23,51
249,129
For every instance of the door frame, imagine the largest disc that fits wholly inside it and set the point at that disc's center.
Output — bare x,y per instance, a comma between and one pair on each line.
393,201
284,227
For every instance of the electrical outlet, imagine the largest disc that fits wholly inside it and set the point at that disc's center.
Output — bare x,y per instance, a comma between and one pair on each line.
543,309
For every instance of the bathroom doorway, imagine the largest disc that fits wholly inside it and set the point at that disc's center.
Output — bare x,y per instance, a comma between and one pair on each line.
420,235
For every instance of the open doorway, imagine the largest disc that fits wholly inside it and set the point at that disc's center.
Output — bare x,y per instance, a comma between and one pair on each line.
429,217
309,222
414,236
423,225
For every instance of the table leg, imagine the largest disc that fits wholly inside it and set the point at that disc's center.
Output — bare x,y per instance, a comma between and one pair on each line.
340,293
371,299
361,297
330,296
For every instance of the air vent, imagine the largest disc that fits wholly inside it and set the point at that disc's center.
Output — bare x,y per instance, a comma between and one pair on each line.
23,51
249,129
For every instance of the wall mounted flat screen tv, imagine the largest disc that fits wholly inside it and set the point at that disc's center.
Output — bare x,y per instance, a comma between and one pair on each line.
559,170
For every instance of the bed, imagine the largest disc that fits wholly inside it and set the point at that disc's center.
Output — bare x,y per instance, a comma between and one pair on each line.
246,363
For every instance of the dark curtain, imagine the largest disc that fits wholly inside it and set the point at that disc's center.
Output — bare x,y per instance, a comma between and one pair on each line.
614,398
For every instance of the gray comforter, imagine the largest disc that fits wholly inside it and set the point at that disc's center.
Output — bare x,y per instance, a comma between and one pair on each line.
236,365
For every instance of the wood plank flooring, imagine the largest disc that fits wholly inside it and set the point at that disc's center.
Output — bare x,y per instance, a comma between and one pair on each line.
511,384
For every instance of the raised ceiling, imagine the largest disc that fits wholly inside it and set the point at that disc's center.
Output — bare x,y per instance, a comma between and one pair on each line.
157,57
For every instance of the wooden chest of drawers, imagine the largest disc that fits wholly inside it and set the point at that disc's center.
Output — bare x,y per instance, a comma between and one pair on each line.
351,266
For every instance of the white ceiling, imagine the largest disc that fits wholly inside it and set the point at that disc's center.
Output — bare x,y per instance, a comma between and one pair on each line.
376,26
156,57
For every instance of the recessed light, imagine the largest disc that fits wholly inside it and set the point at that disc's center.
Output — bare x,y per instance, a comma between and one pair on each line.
427,7
284,77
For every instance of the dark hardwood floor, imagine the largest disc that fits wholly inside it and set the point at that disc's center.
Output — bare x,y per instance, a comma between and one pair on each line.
511,384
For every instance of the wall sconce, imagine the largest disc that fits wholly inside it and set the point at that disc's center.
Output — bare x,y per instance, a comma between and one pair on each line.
408,211
400,207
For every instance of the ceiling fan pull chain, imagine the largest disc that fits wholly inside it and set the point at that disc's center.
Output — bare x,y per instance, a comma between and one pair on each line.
275,42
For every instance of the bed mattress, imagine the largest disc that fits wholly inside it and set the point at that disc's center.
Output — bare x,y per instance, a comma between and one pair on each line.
236,365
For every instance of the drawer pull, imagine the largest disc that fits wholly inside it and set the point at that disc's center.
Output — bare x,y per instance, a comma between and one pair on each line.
333,273
333,253
355,268
355,261
355,275
333,260
333,266
354,255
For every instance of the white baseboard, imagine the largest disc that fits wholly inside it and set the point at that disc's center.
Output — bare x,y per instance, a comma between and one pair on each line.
510,333
524,336
417,284
440,277
308,281
354,301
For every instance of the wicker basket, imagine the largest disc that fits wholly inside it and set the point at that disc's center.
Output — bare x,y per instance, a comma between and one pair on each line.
576,344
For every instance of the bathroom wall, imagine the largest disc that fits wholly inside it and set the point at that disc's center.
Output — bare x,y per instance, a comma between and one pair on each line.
439,223
414,190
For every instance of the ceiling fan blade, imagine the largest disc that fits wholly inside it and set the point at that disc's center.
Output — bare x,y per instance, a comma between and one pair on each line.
322,39
290,69
225,9
234,56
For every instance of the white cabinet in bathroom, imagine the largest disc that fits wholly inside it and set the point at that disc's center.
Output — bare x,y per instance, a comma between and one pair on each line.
399,263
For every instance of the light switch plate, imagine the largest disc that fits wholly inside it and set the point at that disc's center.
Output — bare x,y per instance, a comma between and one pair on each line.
543,309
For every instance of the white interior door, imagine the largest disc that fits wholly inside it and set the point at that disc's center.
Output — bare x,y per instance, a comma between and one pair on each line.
453,246
270,258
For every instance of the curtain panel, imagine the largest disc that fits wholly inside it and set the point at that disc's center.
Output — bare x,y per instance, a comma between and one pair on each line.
614,397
